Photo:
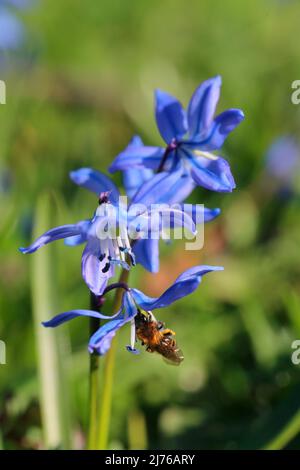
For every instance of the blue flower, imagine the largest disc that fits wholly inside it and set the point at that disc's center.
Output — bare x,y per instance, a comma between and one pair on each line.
146,250
135,301
190,136
283,161
11,30
104,247
101,253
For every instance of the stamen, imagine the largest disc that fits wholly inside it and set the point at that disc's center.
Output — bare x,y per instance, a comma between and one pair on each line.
115,249
105,247
132,334
210,156
132,258
121,248
106,268
126,240
127,249
104,198
120,263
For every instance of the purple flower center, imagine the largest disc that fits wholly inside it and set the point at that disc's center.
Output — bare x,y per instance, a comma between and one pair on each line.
104,198
173,145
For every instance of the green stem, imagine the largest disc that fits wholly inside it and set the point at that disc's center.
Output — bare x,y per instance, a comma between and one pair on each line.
286,435
109,365
93,382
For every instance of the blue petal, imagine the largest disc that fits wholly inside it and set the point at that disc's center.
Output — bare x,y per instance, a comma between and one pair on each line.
136,141
79,239
76,240
170,116
129,305
184,285
202,106
96,182
151,223
67,316
198,272
147,254
171,218
166,187
137,156
101,340
92,267
199,213
133,178
214,175
51,235
222,125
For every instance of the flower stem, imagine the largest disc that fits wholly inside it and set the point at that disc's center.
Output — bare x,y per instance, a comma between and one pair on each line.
116,285
93,380
287,434
109,365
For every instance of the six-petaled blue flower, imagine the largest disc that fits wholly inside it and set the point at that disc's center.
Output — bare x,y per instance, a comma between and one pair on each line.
134,301
190,136
146,250
104,250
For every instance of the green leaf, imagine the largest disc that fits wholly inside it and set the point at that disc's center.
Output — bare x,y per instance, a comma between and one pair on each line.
51,345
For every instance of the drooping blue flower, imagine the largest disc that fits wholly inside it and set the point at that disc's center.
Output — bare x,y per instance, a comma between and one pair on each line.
107,234
133,302
146,250
190,136
101,253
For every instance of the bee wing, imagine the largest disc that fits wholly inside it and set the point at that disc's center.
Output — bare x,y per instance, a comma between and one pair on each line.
175,358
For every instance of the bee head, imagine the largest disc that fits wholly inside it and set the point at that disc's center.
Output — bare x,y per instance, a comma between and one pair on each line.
143,317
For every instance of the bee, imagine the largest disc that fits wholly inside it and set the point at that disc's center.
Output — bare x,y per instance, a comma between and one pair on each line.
157,338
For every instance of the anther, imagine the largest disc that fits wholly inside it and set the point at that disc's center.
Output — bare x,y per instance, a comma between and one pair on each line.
104,198
106,268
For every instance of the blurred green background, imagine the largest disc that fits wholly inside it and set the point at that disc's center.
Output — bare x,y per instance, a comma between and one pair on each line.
84,86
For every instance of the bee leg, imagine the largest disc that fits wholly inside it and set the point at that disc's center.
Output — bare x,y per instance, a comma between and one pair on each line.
148,349
168,332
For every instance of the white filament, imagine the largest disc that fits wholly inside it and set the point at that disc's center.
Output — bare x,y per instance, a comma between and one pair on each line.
132,334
